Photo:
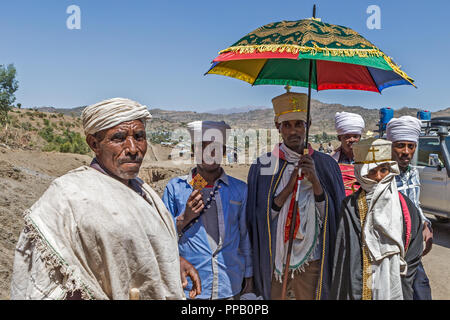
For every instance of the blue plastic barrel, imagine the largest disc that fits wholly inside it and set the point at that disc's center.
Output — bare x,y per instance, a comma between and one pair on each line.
424,115
386,114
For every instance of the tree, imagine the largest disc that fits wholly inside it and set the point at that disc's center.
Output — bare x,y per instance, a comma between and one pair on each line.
8,86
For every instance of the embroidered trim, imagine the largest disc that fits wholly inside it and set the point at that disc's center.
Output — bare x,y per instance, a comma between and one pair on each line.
53,261
319,288
268,204
366,266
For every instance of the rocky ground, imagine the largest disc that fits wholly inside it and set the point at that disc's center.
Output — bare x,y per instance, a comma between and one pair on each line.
26,174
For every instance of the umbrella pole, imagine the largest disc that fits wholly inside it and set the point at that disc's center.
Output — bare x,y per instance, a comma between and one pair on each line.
308,109
294,211
291,237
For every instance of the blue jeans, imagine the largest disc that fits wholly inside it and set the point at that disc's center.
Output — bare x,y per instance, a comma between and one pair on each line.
421,285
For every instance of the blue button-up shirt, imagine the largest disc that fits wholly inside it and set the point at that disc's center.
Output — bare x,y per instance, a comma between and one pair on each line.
223,269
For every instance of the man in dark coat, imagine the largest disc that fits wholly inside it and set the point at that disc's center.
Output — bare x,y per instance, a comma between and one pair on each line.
379,238
272,186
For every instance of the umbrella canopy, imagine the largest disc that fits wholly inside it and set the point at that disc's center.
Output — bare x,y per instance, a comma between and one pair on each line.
279,54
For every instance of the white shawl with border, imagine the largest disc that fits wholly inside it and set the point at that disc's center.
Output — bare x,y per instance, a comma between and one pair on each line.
91,233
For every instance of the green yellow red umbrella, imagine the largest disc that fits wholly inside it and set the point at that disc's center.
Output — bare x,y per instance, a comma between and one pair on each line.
279,54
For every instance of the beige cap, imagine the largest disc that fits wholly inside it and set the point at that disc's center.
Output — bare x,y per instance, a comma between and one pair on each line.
372,150
290,106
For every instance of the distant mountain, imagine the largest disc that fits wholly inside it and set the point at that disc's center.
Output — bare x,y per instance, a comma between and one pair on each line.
238,109
259,116
75,111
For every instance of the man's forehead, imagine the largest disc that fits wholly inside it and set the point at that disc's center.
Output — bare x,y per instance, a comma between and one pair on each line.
292,121
136,124
349,135
383,165
404,142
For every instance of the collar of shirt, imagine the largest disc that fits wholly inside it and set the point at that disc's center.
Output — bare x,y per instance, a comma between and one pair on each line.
223,177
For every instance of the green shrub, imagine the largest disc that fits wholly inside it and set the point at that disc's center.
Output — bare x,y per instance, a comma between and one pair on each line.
68,141
26,126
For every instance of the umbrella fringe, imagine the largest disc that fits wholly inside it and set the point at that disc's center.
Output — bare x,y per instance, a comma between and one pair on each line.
312,50
362,53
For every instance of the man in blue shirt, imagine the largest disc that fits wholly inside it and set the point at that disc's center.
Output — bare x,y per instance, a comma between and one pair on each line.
404,133
209,208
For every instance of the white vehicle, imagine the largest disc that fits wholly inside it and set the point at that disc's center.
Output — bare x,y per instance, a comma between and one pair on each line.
432,159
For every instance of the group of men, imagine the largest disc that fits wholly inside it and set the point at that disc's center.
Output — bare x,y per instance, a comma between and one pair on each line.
100,232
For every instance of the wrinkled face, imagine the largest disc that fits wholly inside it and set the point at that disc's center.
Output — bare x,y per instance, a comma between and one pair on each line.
211,154
121,149
293,133
403,152
378,173
347,141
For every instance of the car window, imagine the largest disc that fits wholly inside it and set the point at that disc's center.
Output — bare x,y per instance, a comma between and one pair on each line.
427,146
447,142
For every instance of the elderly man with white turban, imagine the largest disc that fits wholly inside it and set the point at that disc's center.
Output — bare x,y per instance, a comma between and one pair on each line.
404,133
99,231
379,238
208,207
349,128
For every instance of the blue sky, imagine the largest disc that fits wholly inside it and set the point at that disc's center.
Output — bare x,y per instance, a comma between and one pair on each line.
156,52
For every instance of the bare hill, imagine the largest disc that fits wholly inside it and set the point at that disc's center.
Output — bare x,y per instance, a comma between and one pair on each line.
322,115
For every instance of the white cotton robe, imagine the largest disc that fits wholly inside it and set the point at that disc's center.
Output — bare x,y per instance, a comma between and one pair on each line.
91,233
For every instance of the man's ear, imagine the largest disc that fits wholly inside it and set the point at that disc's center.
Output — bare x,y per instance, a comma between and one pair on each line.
277,125
93,143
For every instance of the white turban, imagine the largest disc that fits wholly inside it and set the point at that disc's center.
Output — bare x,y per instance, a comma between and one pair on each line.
405,128
109,113
208,131
348,123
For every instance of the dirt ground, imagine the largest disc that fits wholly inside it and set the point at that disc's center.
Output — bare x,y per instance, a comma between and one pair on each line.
25,175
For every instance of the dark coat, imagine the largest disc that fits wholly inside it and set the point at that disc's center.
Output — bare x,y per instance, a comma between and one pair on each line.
263,179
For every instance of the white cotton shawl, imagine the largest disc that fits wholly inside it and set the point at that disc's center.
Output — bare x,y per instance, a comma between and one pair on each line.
382,233
91,233
306,237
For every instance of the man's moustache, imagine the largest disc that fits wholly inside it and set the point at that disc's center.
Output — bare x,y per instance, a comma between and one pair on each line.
137,160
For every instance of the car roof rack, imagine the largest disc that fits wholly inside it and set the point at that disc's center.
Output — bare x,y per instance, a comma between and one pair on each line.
435,125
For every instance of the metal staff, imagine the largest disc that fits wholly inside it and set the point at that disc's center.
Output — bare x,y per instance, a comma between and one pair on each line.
294,211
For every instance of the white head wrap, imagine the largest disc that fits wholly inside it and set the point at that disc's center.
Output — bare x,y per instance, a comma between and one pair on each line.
208,131
109,113
347,123
405,128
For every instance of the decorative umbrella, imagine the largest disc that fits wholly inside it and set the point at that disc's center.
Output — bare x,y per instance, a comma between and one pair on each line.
313,54
309,53
280,54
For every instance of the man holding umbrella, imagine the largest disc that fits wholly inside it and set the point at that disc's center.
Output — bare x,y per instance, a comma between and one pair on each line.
272,185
